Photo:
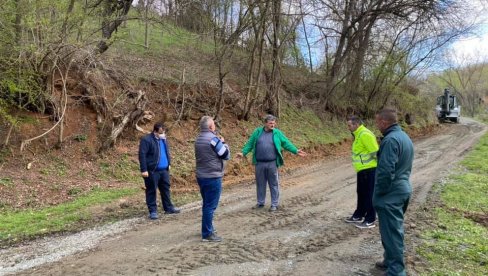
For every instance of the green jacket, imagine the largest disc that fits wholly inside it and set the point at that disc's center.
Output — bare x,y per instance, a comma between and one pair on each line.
364,149
395,159
279,139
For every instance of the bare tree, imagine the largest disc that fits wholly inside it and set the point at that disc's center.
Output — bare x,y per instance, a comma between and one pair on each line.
259,25
351,28
224,49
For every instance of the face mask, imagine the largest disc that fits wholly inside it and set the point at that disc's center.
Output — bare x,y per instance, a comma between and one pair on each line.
162,136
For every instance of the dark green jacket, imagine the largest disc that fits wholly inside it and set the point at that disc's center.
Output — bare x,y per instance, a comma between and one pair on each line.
395,159
279,139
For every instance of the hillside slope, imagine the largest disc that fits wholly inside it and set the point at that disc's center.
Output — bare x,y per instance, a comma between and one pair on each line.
179,79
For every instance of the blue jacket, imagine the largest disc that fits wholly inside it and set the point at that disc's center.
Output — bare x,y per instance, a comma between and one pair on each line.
395,159
149,153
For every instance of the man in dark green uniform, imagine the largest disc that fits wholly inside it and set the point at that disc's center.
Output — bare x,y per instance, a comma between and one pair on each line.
392,189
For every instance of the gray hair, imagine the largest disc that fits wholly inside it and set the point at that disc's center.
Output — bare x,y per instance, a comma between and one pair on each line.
269,117
205,122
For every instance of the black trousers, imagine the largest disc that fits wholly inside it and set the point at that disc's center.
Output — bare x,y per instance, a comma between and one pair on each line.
365,189
158,180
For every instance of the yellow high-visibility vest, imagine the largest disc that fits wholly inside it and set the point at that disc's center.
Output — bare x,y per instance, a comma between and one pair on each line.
364,149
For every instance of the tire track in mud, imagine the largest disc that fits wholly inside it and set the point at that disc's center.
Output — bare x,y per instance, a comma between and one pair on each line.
260,239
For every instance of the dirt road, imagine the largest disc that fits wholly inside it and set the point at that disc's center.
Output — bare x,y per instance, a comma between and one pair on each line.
306,237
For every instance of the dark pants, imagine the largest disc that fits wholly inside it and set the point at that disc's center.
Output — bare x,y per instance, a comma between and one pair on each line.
365,189
158,180
210,189
391,211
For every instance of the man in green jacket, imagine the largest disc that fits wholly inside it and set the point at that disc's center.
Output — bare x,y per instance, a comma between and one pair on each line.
266,144
392,189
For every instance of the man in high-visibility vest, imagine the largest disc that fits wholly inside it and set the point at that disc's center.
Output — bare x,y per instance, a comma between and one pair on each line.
364,150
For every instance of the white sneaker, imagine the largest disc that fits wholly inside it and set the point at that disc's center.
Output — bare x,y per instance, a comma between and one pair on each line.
365,225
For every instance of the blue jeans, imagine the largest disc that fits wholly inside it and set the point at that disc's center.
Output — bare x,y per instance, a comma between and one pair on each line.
158,180
210,189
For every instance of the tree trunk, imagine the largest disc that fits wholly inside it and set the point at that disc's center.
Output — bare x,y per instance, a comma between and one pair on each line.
18,22
253,87
69,11
146,24
112,8
220,101
275,79
310,63
343,50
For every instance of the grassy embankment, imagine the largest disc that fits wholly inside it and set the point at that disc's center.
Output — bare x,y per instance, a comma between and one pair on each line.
455,240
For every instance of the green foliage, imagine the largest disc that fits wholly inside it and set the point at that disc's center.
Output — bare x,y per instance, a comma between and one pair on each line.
123,169
6,181
304,128
38,39
418,106
56,167
29,120
161,37
182,158
74,191
3,154
17,225
457,244
80,137
20,89
468,198
483,116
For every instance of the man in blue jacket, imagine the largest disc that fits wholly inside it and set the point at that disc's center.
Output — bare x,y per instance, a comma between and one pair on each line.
155,161
392,189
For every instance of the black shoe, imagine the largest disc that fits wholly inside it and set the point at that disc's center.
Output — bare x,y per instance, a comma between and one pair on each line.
273,208
258,206
212,238
172,211
381,266
353,219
